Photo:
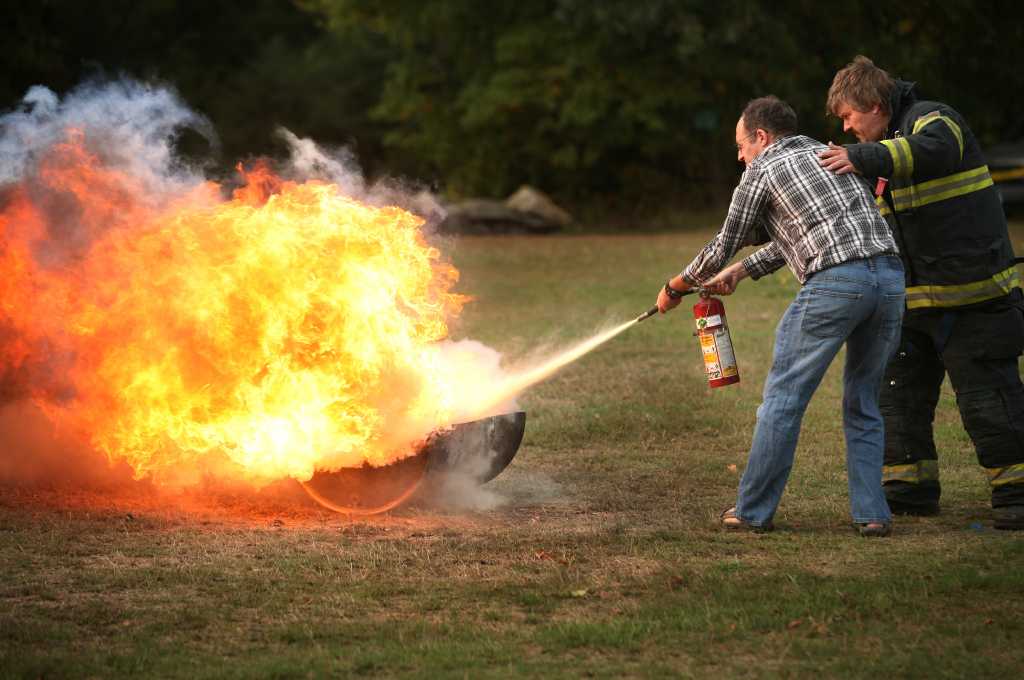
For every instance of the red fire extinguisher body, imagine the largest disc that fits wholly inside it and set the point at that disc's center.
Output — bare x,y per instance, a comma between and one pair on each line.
715,342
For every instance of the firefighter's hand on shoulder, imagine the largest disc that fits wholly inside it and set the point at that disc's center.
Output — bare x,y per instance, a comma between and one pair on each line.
671,293
725,281
836,159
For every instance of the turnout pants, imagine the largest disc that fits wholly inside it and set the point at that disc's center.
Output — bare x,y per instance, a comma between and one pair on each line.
978,347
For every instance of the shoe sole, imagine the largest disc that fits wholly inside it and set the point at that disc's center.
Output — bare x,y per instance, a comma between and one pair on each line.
749,527
875,533
914,511
1008,525
730,522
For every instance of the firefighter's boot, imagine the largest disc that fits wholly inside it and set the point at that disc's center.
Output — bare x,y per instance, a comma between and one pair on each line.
1010,517
913,498
910,392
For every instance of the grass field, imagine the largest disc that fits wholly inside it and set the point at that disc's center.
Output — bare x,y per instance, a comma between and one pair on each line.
595,554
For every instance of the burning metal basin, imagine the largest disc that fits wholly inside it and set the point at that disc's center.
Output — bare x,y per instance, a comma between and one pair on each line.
476,451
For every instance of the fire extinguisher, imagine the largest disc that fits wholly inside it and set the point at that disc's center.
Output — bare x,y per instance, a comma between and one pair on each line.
715,342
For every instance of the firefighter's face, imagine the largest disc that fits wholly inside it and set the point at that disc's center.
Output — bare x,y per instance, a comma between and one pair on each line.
866,126
750,143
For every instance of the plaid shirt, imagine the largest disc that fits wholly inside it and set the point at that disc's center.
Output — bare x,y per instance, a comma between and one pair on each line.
815,219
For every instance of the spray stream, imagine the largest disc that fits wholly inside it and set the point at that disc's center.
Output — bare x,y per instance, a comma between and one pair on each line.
519,382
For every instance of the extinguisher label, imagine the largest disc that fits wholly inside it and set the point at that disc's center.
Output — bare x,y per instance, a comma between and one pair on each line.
719,358
709,321
726,355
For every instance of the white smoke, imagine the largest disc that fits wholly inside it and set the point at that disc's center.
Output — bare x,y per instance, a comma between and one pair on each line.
309,160
460,489
480,368
131,126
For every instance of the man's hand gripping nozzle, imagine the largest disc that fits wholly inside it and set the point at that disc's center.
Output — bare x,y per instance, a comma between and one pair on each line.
654,310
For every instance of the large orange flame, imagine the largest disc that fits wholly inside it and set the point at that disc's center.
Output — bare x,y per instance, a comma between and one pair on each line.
284,330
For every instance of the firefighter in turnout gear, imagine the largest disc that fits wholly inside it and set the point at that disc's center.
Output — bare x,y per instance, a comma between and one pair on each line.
965,314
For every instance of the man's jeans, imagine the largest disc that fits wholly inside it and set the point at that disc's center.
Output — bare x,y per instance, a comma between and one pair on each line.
859,303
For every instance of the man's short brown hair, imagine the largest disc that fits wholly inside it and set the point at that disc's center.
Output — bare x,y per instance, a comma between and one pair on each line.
770,114
860,84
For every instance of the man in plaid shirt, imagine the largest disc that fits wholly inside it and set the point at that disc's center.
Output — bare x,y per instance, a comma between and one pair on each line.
827,228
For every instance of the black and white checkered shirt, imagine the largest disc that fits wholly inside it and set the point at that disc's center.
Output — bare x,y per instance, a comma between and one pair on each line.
815,219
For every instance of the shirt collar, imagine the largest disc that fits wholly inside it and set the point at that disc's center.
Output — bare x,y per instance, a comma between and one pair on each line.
778,146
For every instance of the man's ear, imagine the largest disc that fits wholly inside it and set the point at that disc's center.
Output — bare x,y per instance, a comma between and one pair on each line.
876,109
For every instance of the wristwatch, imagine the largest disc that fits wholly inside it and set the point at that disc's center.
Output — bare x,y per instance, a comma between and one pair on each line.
672,292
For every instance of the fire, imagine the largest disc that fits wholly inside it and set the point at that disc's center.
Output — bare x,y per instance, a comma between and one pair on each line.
284,330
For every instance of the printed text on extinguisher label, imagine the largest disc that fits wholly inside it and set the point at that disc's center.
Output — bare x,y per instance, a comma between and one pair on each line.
719,358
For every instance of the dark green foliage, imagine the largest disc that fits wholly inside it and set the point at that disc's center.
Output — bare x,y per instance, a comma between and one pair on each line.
629,103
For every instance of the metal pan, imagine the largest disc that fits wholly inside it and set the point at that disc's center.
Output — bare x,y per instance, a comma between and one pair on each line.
477,450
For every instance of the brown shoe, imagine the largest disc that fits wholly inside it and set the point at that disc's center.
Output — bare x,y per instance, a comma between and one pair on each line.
730,520
873,529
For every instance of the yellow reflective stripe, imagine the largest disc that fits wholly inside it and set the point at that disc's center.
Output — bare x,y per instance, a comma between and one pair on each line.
1012,474
883,207
1003,175
902,158
943,188
936,116
963,294
913,473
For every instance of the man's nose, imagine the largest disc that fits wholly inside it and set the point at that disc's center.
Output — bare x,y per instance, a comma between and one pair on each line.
846,126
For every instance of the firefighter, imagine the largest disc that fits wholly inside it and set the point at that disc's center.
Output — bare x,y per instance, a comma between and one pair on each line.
965,314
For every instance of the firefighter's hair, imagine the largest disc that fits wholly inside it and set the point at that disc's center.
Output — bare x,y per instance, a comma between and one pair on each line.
860,84
770,114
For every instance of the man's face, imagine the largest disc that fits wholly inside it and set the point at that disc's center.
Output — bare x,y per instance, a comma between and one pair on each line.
749,143
866,126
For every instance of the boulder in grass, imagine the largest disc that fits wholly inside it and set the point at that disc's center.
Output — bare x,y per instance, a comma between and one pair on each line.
482,216
536,202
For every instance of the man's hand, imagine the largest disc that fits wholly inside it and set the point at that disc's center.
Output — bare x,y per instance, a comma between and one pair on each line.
836,159
725,281
665,302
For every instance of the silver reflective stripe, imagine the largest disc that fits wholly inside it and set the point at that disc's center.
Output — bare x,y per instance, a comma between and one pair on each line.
964,294
935,116
902,158
912,473
940,189
1013,474
883,207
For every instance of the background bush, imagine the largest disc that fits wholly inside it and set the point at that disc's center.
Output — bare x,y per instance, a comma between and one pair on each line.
624,104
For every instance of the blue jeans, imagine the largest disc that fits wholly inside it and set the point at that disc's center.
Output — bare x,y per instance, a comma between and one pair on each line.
859,303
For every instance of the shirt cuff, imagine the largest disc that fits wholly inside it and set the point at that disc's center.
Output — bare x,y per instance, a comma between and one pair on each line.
757,265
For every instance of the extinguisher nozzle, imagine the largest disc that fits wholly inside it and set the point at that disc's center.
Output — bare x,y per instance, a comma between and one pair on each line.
654,310
650,312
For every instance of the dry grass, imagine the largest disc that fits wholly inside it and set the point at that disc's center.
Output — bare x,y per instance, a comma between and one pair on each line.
601,557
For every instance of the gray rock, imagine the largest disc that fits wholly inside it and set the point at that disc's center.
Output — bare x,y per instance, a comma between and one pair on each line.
531,200
482,216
